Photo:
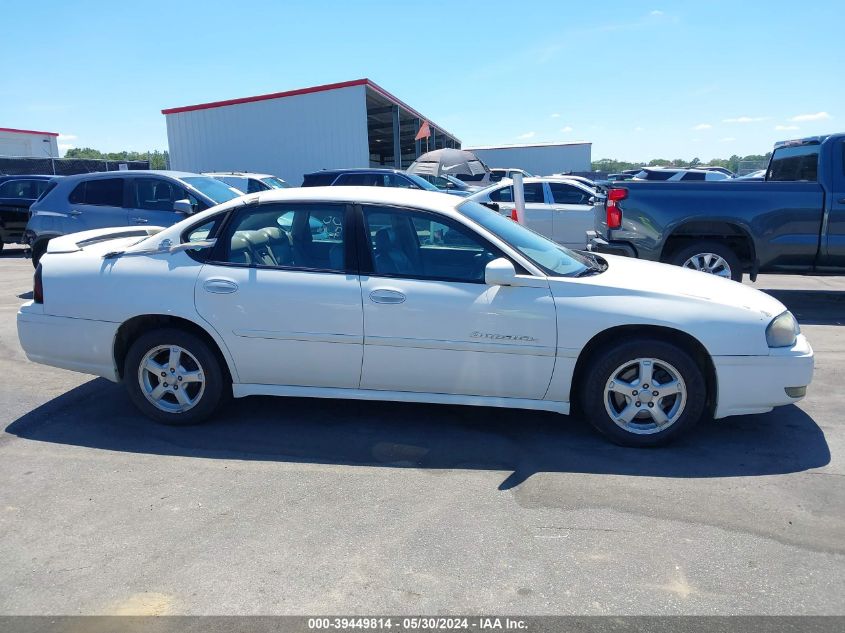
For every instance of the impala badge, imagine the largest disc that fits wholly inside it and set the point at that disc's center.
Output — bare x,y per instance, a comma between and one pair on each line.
502,337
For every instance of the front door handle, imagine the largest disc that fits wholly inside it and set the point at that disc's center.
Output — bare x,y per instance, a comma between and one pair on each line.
220,286
383,295
841,201
140,220
75,212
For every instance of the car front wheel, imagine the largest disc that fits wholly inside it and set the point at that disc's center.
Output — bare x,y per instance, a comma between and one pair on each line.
644,393
173,377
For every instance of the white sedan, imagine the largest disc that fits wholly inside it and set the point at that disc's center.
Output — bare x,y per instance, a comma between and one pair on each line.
406,296
562,209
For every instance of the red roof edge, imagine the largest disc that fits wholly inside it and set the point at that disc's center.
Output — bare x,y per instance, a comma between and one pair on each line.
305,91
272,95
17,131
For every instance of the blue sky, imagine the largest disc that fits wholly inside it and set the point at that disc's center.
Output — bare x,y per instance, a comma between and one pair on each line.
639,79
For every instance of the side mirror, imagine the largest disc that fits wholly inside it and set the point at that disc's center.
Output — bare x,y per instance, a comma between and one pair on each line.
492,205
183,206
500,272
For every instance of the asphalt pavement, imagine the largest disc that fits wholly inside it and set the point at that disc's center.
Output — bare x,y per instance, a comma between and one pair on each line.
295,506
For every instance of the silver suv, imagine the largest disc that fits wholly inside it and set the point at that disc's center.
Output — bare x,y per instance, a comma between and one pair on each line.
119,198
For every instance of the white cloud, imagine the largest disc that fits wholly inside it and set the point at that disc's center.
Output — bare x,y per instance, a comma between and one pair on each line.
555,116
567,128
656,12
66,137
526,135
639,128
787,127
745,119
818,116
701,126
727,139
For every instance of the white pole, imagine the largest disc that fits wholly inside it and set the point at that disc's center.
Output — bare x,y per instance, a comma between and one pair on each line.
519,198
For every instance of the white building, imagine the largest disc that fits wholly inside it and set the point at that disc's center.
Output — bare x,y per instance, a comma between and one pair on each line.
288,134
540,159
28,143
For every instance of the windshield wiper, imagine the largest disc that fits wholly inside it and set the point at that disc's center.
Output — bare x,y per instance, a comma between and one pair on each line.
594,267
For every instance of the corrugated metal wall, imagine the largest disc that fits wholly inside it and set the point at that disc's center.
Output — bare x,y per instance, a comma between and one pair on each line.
286,137
540,160
26,144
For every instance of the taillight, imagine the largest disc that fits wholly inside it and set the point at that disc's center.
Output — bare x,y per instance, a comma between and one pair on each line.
37,286
614,213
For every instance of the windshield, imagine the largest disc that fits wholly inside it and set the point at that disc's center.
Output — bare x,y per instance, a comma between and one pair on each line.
553,258
275,183
422,183
212,188
459,184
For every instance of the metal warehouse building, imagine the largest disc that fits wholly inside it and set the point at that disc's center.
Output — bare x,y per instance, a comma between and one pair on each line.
541,159
28,143
288,134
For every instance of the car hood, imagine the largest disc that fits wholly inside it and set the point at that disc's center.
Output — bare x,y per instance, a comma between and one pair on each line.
651,278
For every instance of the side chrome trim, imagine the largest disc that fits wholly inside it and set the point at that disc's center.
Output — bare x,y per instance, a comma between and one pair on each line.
243,390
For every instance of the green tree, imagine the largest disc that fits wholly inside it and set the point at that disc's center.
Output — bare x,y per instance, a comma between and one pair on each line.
158,159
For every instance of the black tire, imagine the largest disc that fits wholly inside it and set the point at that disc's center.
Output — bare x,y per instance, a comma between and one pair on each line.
612,357
216,385
717,248
38,249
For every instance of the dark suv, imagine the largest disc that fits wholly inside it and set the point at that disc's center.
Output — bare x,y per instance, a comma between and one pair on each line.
372,177
17,193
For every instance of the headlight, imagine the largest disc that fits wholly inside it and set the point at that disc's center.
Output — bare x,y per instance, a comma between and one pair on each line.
782,331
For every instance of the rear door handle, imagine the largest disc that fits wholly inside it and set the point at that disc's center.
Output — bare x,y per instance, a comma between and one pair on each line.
841,201
220,286
383,295
140,220
75,212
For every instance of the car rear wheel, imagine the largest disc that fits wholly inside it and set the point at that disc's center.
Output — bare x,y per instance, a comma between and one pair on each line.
37,251
709,257
173,377
644,392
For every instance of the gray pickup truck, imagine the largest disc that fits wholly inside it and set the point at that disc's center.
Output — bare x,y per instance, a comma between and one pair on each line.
791,222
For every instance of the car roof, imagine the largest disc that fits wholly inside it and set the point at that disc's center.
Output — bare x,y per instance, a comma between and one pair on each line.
134,173
27,177
245,174
358,170
532,179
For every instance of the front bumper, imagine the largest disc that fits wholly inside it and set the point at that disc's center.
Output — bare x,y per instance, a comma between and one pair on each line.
597,244
81,345
757,384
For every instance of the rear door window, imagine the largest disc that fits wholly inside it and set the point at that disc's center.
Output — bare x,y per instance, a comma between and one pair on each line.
567,194
534,193
102,192
796,163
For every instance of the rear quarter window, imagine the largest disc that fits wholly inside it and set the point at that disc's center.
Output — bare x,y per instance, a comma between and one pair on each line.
798,163
318,179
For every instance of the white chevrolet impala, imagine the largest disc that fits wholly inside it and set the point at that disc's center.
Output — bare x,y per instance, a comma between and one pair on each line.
392,294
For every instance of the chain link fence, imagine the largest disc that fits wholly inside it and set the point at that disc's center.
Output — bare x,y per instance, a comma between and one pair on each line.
19,165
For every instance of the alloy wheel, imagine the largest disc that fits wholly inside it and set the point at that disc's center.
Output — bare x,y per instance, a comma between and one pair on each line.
709,263
171,378
645,396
